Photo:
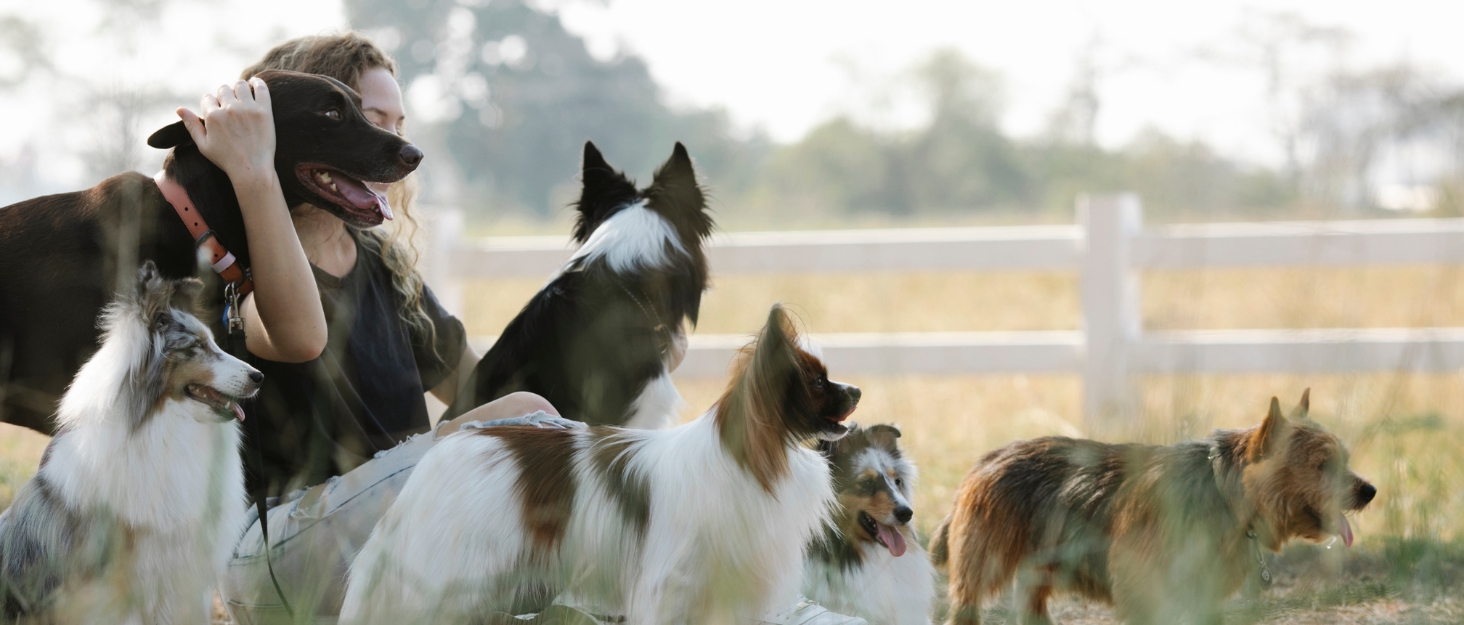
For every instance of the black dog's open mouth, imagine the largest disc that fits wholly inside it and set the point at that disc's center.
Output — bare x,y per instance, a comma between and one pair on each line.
887,536
226,405
362,205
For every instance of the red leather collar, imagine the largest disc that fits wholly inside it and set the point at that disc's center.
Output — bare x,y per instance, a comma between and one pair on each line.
222,261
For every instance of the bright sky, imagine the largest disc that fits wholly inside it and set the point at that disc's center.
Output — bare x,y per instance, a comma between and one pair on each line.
786,65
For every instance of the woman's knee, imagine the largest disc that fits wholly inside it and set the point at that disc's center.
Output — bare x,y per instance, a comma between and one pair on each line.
522,403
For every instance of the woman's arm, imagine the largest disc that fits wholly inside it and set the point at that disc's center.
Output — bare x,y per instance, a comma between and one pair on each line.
283,319
446,391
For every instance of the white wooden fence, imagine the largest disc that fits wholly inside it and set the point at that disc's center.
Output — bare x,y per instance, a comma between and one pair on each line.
1108,247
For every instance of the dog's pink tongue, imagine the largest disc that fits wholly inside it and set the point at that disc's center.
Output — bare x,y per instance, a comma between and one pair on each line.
1346,532
893,539
239,412
384,206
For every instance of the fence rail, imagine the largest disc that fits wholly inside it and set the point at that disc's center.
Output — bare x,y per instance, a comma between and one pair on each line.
1107,248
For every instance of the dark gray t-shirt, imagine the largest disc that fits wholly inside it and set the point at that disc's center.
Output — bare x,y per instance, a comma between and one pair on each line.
364,393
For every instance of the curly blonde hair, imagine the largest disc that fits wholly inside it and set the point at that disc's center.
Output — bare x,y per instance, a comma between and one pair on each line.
345,57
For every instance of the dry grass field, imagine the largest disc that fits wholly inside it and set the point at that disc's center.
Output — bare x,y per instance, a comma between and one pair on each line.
1406,431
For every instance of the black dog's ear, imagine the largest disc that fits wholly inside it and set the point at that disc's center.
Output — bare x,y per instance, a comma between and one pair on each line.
170,136
603,190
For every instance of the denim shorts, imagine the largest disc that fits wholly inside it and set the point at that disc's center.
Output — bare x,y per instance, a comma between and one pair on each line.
315,533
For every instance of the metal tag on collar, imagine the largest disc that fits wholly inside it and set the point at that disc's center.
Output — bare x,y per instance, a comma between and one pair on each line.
233,317
1260,559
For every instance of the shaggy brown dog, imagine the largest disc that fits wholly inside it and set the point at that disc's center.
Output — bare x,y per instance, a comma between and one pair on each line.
1164,534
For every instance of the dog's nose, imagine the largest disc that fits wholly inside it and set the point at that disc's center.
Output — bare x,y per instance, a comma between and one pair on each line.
903,514
410,155
256,377
854,394
1366,494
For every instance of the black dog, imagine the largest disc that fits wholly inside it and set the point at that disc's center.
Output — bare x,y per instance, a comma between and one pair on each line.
594,341
63,256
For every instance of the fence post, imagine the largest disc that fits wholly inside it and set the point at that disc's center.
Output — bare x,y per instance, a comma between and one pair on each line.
444,228
1111,318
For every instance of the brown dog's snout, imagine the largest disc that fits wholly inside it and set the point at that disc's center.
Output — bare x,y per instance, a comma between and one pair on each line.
410,155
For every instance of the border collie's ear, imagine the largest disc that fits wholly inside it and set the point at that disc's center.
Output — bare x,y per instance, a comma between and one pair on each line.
675,183
603,190
170,136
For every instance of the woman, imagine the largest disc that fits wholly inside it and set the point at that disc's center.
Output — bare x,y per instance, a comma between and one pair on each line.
348,338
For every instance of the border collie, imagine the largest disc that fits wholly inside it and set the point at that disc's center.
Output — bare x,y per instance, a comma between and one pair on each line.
595,340
140,496
705,522
868,562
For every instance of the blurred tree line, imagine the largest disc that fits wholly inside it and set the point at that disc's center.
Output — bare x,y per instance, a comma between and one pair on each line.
513,95
507,96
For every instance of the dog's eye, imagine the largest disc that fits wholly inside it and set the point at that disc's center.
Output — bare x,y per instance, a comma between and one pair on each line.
899,482
333,114
818,382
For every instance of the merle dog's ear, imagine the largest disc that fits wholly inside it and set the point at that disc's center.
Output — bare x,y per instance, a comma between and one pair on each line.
154,293
884,435
603,190
170,136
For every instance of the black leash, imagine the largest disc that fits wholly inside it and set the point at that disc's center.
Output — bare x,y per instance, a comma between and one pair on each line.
234,323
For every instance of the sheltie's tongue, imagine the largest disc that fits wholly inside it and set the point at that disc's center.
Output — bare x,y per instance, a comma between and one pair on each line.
893,539
238,411
1346,532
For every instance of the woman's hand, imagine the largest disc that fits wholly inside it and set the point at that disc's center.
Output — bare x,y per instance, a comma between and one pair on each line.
236,130
283,317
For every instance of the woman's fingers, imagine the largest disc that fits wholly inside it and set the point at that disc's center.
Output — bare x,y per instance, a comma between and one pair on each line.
208,104
261,91
242,92
193,124
225,95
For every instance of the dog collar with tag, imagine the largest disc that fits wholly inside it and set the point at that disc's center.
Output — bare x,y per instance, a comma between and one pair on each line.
224,263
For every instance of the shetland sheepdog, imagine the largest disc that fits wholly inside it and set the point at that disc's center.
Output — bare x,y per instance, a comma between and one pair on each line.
868,562
138,500
701,523
596,340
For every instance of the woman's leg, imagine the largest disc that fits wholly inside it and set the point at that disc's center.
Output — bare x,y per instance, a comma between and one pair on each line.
506,407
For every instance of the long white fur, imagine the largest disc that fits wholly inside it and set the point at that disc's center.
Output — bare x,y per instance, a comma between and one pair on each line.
634,237
712,529
881,588
176,482
657,405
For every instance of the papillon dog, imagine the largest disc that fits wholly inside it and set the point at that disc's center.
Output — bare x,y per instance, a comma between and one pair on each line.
700,523
140,496
867,562
596,340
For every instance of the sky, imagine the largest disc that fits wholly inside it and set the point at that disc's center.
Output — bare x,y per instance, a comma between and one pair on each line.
783,66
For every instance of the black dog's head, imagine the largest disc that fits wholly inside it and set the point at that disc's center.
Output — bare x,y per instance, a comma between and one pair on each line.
611,206
324,147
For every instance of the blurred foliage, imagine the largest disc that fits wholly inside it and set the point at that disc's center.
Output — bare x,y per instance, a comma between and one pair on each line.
520,95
